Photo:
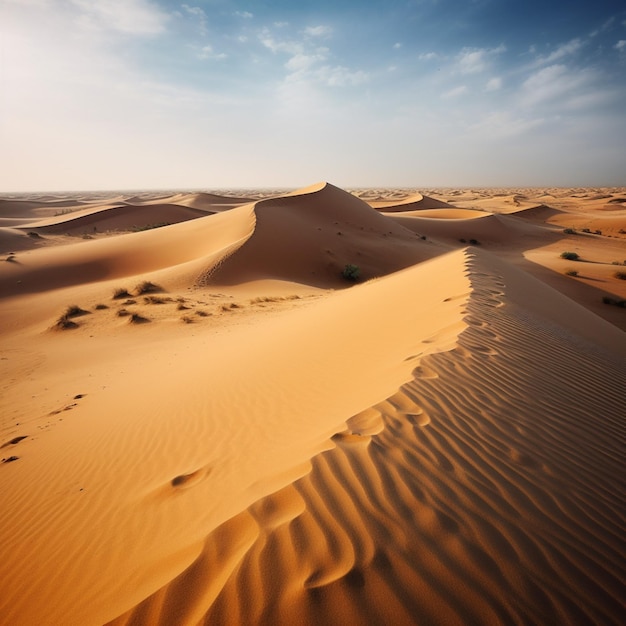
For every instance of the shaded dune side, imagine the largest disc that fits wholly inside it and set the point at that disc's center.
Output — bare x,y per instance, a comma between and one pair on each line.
417,202
310,235
124,217
484,228
202,242
489,489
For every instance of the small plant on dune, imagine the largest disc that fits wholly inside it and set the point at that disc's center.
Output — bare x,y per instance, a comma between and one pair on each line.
65,323
123,313
135,318
11,258
571,273
138,229
587,230
351,272
120,293
74,311
100,307
202,313
569,231
34,235
182,307
570,256
187,319
614,301
620,275
154,300
147,287
474,242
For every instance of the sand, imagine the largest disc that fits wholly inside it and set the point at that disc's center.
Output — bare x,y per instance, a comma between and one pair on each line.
203,422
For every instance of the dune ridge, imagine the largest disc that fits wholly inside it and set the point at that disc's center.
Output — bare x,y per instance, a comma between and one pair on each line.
401,520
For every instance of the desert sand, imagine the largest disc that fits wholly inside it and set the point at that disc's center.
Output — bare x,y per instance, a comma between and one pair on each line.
203,422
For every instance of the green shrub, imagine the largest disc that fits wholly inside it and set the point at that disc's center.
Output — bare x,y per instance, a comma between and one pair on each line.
351,272
570,256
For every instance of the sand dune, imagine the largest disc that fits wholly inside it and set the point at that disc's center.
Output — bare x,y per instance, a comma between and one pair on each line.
417,202
438,443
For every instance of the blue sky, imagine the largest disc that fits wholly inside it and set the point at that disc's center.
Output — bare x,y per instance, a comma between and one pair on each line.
157,94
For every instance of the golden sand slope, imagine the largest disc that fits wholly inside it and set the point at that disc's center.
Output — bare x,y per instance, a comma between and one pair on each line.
440,445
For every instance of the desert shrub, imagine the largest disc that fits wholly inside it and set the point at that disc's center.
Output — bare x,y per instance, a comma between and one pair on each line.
130,301
202,313
182,307
620,275
351,272
570,256
147,287
154,300
463,240
65,323
123,313
474,242
135,318
569,231
614,301
120,293
138,229
34,235
100,307
74,311
598,232
187,319
587,230
571,273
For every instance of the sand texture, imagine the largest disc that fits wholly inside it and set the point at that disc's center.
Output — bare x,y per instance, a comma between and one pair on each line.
203,422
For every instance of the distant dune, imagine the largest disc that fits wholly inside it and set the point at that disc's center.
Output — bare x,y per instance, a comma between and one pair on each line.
318,407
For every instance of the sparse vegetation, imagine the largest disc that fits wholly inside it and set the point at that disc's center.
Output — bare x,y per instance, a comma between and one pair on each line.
65,323
202,313
474,242
11,258
120,293
34,235
138,229
74,311
569,231
147,287
182,307
620,275
587,230
187,319
100,307
135,318
614,301
154,300
123,313
570,256
351,272
571,273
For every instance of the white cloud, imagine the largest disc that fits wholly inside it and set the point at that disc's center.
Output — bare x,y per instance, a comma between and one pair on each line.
620,45
564,50
494,84
428,56
246,15
133,17
340,76
455,93
199,14
207,52
301,62
474,60
318,31
397,45
551,83
281,24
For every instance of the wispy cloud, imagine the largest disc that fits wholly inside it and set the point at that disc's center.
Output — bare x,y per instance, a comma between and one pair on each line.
132,17
561,52
494,84
455,92
198,14
246,15
318,31
475,60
